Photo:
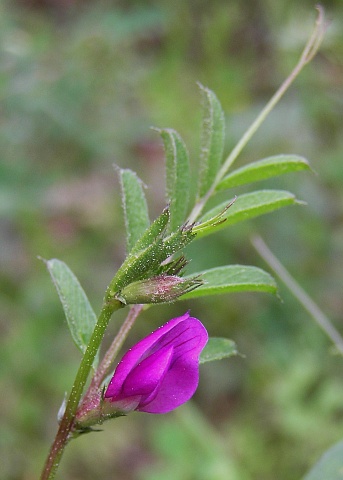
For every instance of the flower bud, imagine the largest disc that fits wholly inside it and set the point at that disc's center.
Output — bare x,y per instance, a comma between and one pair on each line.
159,289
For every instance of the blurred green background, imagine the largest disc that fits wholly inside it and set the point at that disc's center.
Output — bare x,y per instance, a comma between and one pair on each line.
81,83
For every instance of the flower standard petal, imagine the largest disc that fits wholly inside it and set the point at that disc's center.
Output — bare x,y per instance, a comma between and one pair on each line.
133,356
177,388
161,371
182,377
147,375
187,336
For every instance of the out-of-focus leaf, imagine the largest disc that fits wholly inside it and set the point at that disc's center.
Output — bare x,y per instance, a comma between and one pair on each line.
248,206
135,206
80,316
330,465
178,177
232,278
217,349
212,140
262,169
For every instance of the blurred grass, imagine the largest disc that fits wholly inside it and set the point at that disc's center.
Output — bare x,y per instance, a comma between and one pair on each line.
81,83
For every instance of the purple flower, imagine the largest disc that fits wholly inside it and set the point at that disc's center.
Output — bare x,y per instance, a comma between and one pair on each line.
161,372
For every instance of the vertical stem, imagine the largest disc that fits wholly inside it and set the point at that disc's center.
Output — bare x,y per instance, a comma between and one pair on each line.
306,301
118,341
308,53
63,434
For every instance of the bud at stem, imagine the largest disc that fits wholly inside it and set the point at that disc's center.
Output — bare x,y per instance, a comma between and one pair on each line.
159,289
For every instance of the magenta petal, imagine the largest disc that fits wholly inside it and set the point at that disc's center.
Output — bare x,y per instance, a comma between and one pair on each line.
161,371
148,374
177,388
135,354
181,380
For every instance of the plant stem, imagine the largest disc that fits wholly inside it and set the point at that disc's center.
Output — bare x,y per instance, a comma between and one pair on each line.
308,53
306,301
66,424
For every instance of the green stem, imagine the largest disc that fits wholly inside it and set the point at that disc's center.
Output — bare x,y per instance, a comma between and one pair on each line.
117,343
299,293
308,53
66,424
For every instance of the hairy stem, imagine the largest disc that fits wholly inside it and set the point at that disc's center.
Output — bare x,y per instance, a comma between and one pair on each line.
64,432
117,343
321,319
308,53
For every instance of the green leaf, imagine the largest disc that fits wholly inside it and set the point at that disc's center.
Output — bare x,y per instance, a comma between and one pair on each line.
330,466
217,349
178,177
248,206
80,316
262,169
212,140
232,278
135,206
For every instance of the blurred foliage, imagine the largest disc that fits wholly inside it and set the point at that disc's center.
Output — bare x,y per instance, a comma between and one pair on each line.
81,83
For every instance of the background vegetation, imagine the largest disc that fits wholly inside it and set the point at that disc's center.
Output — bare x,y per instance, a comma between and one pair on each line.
81,83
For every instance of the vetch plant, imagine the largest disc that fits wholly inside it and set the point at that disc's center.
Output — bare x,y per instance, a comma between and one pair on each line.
161,371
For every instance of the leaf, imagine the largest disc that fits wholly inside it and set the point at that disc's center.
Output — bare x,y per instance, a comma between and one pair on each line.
248,206
135,206
80,316
178,177
217,349
232,278
330,465
212,140
262,169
